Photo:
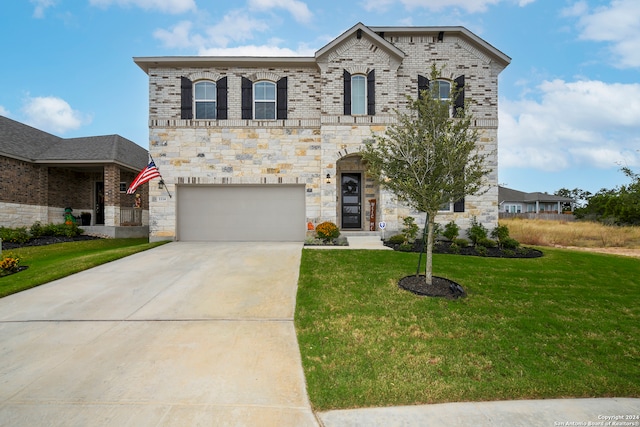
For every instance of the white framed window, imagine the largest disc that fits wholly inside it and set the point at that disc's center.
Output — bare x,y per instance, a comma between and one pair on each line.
205,94
358,94
123,187
444,90
446,207
513,208
264,95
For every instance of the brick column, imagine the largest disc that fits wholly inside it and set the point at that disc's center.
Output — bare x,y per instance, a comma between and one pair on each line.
111,195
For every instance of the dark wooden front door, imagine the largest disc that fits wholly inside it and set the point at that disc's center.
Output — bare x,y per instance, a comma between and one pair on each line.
100,203
351,191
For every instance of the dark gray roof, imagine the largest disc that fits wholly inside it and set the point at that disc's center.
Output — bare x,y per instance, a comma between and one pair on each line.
509,195
23,142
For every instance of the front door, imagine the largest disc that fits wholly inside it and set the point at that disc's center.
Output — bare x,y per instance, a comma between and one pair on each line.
100,203
351,186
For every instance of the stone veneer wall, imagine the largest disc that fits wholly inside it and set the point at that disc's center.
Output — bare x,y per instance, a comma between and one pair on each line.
316,136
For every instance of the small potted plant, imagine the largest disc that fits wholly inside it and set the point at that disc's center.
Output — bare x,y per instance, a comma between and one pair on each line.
86,218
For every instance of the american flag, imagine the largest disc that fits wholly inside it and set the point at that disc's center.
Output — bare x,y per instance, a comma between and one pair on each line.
146,174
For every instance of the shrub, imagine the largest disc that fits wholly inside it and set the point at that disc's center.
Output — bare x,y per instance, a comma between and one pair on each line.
396,239
327,231
477,232
451,231
14,235
510,243
36,230
482,251
404,247
410,230
9,264
461,243
486,243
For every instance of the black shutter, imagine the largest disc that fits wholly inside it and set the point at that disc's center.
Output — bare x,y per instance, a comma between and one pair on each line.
186,98
347,93
459,205
221,99
247,99
371,93
458,102
423,84
282,99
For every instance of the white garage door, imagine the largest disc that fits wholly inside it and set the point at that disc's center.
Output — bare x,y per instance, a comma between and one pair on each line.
241,212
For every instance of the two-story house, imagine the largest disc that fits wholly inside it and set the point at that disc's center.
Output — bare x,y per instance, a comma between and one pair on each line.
261,148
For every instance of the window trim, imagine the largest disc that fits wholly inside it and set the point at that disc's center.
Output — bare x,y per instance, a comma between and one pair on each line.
274,102
213,100
364,102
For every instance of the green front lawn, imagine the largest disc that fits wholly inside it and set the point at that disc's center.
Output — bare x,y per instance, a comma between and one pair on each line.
564,325
47,263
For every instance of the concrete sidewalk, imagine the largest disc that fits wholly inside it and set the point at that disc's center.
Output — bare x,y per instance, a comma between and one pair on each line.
186,334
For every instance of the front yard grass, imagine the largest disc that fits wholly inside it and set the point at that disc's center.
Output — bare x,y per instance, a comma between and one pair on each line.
48,263
564,325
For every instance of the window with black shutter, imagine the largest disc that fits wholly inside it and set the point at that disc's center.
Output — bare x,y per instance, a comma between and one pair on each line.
247,99
222,98
459,205
458,102
423,84
347,93
371,93
186,98
282,99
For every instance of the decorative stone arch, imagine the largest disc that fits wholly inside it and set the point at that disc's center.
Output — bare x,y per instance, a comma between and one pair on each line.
264,75
204,75
350,164
358,69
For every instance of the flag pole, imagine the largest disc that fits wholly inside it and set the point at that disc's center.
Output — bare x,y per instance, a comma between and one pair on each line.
161,178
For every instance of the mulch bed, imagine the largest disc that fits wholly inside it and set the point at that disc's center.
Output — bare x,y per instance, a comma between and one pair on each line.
445,288
47,240
445,248
440,287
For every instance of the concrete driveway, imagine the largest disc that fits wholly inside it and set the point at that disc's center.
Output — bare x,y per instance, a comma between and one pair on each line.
185,334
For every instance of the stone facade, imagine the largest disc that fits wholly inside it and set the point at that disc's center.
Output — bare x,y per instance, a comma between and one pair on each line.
317,138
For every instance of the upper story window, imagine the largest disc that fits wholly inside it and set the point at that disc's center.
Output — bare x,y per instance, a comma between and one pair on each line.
205,100
264,95
358,95
444,88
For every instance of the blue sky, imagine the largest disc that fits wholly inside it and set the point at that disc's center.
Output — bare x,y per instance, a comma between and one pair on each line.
569,103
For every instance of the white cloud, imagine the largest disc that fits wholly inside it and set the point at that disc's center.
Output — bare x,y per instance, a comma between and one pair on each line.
253,50
165,6
4,111
297,9
470,6
617,24
582,123
53,114
41,6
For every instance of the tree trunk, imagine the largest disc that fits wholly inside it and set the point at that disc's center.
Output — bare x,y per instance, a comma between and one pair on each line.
429,262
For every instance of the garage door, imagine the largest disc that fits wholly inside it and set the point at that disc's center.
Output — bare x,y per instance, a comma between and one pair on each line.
241,212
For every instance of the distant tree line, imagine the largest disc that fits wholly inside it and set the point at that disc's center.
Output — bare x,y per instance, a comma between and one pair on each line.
619,206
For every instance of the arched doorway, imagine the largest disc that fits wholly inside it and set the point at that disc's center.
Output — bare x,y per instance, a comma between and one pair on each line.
355,192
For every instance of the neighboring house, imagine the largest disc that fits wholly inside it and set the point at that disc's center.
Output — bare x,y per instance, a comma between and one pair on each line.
42,174
259,148
519,202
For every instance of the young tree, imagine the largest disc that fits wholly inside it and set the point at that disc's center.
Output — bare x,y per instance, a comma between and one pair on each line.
429,157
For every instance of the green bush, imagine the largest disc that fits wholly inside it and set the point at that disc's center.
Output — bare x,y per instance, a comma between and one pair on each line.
451,231
410,230
510,243
14,235
486,243
36,230
396,239
482,251
461,243
477,232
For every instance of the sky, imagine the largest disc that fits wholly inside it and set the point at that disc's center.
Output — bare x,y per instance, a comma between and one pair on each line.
569,102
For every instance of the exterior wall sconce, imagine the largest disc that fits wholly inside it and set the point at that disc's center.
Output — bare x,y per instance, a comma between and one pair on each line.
328,181
161,184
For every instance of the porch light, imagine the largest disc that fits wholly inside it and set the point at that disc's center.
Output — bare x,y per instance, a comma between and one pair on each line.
161,184
328,181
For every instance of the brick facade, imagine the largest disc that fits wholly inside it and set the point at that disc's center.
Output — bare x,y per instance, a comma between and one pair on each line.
316,138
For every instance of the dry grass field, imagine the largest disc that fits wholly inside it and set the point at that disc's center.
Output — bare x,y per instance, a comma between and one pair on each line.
575,234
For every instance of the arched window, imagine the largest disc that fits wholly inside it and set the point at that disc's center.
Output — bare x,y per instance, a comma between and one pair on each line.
205,100
358,94
444,90
264,96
